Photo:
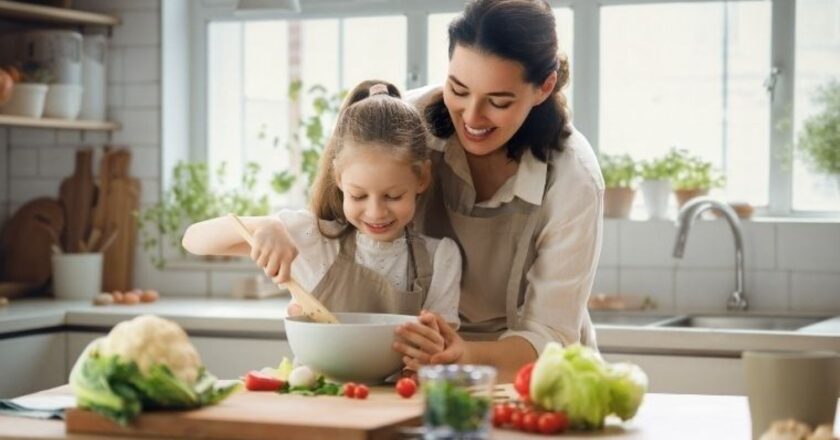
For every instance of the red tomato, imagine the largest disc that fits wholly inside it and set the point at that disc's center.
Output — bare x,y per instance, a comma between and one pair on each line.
552,422
530,421
406,387
256,381
361,391
516,418
349,390
522,383
501,414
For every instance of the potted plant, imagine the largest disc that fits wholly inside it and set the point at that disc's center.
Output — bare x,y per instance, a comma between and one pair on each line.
657,175
194,197
819,140
619,173
694,178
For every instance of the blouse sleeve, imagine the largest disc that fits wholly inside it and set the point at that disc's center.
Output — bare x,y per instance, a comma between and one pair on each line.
445,288
568,245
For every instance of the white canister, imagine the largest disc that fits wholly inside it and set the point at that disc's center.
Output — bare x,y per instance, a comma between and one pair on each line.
63,101
94,79
77,276
57,50
27,100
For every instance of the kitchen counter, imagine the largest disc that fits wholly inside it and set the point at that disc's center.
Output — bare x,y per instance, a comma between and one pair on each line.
661,416
264,319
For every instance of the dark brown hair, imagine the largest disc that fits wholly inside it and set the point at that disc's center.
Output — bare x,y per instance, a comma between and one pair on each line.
382,121
521,31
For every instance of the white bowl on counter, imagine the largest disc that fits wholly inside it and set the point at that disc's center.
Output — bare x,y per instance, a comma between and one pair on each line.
358,349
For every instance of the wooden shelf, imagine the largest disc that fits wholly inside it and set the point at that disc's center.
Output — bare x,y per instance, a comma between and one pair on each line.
49,14
66,124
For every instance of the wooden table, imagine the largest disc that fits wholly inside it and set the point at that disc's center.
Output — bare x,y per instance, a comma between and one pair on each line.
662,416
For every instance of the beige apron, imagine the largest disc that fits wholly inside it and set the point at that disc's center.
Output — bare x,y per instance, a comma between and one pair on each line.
350,287
497,246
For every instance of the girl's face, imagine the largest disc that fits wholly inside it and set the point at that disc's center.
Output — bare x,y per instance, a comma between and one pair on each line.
488,98
380,191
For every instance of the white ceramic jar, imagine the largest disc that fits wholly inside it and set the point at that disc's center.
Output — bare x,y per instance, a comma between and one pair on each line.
27,100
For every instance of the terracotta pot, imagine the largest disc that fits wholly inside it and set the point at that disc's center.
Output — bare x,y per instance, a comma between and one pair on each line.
618,201
684,195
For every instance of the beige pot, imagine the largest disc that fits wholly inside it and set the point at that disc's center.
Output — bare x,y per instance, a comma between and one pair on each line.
684,195
618,201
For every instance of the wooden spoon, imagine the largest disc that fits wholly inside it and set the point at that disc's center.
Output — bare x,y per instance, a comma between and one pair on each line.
311,307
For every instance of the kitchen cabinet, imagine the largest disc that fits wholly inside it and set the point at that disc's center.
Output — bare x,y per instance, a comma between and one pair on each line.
688,374
31,362
226,358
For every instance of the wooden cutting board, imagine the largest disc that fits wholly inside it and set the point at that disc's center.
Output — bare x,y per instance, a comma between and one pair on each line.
25,243
77,196
267,415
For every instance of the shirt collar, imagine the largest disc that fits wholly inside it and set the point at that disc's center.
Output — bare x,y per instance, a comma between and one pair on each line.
529,182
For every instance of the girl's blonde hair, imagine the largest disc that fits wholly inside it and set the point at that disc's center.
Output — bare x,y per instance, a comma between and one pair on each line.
383,121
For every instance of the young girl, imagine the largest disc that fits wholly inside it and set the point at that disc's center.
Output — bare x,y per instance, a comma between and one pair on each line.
356,250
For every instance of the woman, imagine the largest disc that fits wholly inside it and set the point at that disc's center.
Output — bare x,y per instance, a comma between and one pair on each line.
515,186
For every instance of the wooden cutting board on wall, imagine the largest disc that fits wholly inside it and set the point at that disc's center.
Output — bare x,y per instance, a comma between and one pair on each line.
267,415
77,194
114,213
25,243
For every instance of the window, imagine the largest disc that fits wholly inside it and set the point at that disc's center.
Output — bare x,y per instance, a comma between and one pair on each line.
691,76
251,64
817,62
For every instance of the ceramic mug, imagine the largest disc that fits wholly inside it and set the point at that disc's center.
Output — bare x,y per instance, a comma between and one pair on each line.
784,385
77,275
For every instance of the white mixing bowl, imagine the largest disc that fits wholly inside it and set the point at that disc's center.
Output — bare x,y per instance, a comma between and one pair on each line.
356,350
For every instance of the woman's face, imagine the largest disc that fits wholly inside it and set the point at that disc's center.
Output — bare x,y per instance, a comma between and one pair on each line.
488,99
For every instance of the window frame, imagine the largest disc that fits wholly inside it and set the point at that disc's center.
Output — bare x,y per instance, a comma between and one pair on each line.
585,70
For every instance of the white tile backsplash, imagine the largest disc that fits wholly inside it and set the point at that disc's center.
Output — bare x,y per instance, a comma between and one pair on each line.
816,292
139,126
56,162
711,245
145,161
609,244
137,28
606,281
768,290
141,64
658,284
32,136
68,137
142,95
22,190
23,162
646,244
703,289
809,247
115,65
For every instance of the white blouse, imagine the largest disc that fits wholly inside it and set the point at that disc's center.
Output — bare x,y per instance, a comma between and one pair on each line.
317,253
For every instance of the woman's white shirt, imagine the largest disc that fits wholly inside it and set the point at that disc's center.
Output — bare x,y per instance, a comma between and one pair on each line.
568,236
389,259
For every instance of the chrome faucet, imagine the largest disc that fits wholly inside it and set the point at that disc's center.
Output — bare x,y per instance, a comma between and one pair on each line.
738,299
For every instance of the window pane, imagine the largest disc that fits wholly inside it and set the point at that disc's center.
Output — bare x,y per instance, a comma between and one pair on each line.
438,42
691,76
817,62
367,55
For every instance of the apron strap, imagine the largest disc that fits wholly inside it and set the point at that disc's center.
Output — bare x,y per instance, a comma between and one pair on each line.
517,269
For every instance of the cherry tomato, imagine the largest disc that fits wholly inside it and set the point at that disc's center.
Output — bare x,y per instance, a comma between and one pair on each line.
501,414
552,422
349,390
530,421
522,383
361,391
406,387
516,418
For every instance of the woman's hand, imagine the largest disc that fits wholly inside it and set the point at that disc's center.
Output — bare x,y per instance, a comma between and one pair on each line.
274,250
429,341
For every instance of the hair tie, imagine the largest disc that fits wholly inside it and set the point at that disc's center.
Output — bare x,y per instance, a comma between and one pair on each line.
378,89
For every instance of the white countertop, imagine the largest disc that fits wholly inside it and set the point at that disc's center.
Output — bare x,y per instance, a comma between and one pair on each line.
264,318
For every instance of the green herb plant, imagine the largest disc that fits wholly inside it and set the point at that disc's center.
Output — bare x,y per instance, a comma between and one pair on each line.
662,168
695,173
619,170
194,196
819,139
311,134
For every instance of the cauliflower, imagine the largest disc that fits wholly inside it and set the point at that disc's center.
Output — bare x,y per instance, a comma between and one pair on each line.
145,362
149,340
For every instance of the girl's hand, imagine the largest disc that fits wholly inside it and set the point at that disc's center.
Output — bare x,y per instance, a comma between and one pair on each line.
423,341
274,251
294,310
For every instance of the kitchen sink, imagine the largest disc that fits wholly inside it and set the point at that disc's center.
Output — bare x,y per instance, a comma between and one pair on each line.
743,322
629,319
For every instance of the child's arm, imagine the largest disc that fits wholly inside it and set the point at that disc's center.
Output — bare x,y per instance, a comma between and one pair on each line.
273,248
